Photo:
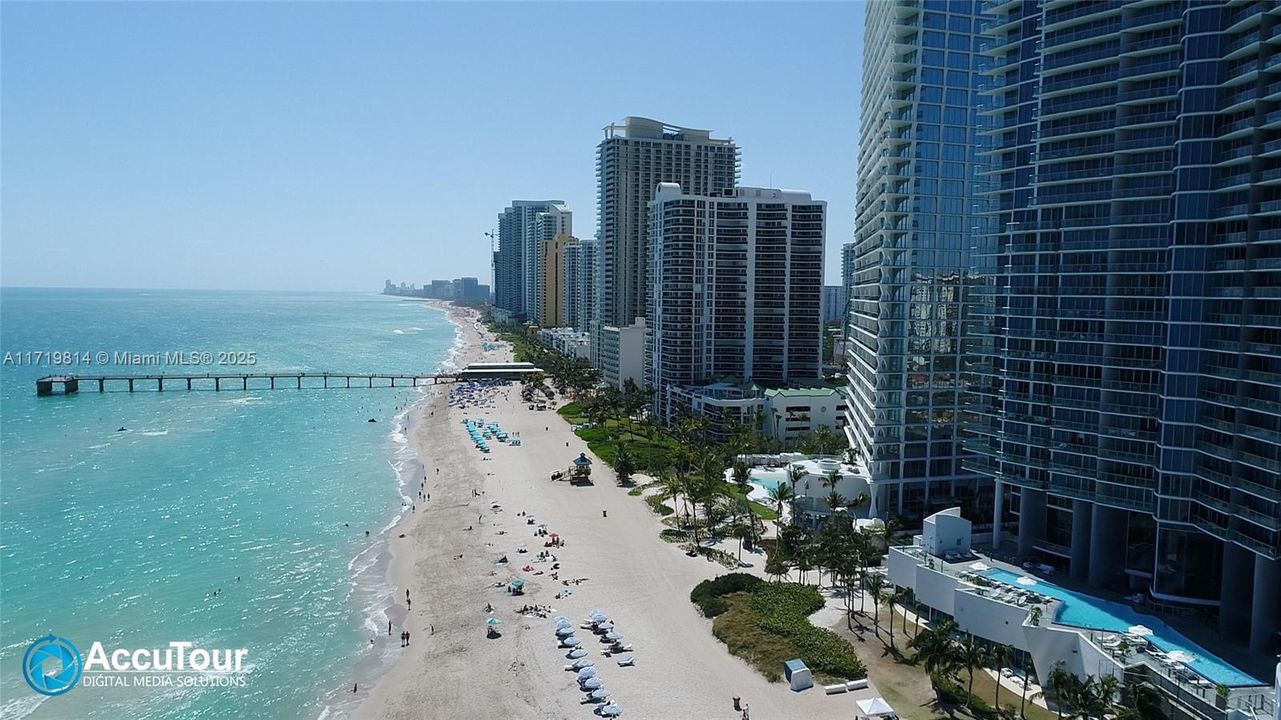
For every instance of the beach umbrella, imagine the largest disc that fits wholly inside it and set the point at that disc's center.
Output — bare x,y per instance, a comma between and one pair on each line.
1026,581
1180,656
582,460
605,626
564,631
1140,630
571,641
611,710
587,672
582,663
518,583
492,622
576,654
592,683
564,624
598,616
613,636
558,618
598,694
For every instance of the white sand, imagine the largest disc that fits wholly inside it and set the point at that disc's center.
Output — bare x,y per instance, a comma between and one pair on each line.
642,582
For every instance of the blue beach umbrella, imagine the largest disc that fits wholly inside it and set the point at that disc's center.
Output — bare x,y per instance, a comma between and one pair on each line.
564,632
576,654
582,663
571,641
592,683
586,672
613,636
599,694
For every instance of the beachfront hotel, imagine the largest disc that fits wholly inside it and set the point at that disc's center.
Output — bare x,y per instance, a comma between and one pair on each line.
1131,313
521,228
633,158
910,360
737,281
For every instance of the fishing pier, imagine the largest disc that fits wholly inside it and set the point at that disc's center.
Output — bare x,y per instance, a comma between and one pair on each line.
217,382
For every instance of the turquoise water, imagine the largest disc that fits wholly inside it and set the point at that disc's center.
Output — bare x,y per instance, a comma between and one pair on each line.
124,537
767,479
1085,611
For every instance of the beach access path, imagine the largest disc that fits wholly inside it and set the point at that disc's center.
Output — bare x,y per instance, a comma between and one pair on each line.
639,580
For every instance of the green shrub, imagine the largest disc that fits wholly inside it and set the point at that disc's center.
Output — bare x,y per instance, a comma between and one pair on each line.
723,585
767,623
656,504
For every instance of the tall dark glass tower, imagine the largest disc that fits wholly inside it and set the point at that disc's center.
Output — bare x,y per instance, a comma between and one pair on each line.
1131,385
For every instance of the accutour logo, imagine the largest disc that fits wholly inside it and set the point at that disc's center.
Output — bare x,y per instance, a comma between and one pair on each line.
52,665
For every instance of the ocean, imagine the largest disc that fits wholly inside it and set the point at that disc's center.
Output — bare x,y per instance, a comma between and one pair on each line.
231,519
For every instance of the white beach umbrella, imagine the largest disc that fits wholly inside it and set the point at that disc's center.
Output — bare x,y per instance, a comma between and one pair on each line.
576,654
605,626
564,624
613,636
611,710
1181,656
1026,581
587,672
564,632
571,641
582,663
592,683
598,694
979,566
1140,630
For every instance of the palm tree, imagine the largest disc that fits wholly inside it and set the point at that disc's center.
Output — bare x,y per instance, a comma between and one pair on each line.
741,475
873,586
832,478
1108,688
936,650
972,654
624,465
824,440
1000,658
907,596
780,494
1058,686
1027,676
888,596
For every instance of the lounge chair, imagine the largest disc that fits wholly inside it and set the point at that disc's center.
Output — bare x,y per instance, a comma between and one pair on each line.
628,661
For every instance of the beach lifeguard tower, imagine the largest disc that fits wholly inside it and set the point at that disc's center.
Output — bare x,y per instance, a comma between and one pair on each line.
580,470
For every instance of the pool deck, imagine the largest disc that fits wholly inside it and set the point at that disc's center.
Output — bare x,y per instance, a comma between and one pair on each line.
1179,681
1190,626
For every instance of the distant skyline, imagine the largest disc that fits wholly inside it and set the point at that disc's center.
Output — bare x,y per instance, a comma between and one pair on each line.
333,146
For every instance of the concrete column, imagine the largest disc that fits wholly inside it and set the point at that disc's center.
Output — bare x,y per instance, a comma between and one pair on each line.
1082,516
1237,583
1265,620
998,502
1031,519
1107,548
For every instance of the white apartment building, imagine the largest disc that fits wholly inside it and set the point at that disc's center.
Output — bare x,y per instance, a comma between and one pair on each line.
620,353
737,288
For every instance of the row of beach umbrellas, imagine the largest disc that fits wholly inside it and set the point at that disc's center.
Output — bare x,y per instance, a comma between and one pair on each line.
584,669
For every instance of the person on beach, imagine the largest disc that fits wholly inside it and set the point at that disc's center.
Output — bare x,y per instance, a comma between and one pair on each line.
388,628
353,687
406,638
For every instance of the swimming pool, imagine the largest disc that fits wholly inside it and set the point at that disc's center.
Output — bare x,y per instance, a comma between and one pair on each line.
768,479
1085,611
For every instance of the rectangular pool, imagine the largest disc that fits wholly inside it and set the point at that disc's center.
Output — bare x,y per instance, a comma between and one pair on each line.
1085,611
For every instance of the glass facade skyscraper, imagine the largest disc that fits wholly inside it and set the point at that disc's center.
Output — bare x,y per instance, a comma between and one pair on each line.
908,353
1130,404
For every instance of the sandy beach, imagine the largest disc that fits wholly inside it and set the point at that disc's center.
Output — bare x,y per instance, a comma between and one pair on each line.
447,560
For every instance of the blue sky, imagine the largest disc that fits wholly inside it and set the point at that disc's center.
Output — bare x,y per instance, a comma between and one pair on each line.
331,146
